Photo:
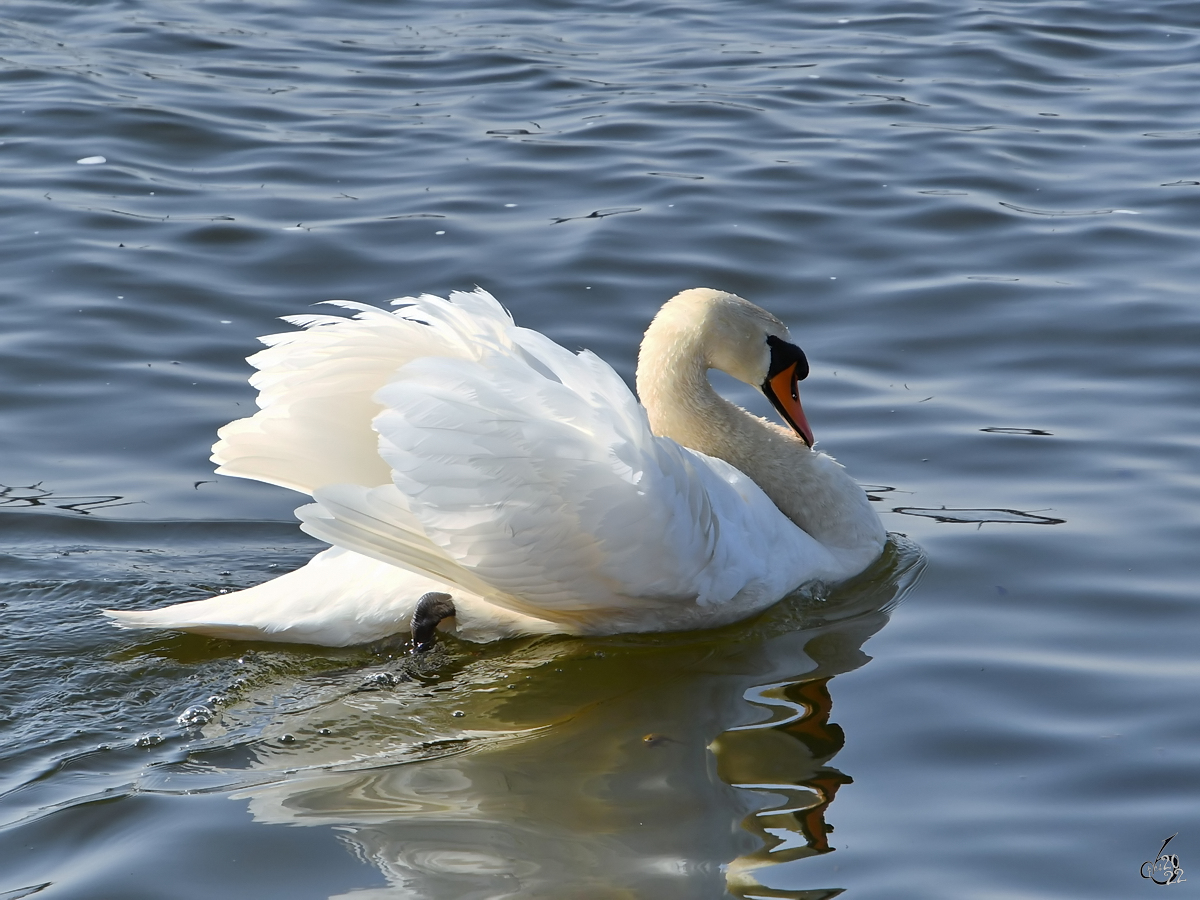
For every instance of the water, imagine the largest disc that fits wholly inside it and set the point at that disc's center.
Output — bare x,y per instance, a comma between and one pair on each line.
979,222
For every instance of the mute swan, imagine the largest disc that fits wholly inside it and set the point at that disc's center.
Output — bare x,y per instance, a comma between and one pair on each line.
518,488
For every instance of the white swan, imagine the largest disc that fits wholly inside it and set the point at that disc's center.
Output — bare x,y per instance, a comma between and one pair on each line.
449,450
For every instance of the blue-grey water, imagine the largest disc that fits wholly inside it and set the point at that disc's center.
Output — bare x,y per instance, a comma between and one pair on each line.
981,223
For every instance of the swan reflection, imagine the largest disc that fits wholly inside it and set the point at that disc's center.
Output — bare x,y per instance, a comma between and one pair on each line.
629,766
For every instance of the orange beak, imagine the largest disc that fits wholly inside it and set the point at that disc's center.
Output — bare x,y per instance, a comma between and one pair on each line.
783,390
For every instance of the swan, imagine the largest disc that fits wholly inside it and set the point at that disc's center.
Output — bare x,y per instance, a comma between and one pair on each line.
475,477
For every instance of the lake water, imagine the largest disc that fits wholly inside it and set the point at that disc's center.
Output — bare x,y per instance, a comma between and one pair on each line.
981,224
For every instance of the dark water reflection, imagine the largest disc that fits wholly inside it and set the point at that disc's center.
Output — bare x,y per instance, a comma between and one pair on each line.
34,495
557,769
547,767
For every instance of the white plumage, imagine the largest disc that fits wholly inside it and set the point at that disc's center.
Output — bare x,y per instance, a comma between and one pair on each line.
448,449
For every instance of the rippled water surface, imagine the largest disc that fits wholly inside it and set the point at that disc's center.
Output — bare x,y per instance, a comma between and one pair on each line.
980,222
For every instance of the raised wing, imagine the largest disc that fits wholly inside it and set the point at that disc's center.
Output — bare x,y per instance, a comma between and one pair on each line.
316,387
538,473
443,439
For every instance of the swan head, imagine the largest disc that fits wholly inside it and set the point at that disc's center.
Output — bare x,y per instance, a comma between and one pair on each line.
725,332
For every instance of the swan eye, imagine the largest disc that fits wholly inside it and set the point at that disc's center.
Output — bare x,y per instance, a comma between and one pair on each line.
785,355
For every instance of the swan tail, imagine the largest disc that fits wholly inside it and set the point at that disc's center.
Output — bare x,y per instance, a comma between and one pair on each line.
339,599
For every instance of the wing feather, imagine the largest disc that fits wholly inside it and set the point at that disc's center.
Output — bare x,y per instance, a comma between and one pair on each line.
549,493
376,523
316,386
441,438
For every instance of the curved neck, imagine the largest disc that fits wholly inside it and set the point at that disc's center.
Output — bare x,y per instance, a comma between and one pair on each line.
672,382
808,487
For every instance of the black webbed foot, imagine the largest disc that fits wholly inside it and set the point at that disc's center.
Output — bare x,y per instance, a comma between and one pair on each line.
431,609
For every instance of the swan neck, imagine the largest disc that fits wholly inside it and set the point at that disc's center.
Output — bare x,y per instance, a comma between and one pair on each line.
672,382
808,487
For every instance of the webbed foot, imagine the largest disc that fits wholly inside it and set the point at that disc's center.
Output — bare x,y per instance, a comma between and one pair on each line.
431,609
